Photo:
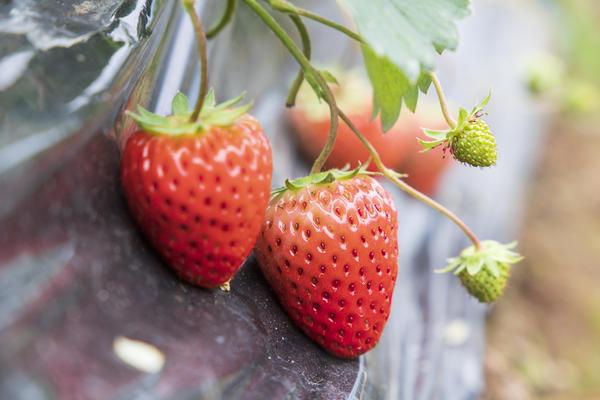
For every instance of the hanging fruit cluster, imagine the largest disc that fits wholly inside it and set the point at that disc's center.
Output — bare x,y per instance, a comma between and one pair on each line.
198,184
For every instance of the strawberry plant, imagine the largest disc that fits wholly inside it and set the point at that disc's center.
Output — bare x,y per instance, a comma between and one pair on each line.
197,181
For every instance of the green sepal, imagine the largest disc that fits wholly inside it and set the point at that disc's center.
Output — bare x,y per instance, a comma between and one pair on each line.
149,117
435,134
464,117
172,125
178,123
180,104
226,117
439,138
210,99
484,271
489,256
482,104
319,178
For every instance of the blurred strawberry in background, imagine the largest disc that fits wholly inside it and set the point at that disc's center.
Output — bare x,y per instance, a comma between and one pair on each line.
398,147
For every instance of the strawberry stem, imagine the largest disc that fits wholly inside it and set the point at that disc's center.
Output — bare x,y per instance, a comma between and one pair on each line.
286,7
225,18
442,99
308,69
392,175
188,5
306,49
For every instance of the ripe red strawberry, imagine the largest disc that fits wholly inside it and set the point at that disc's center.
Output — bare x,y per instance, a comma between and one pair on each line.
329,250
199,189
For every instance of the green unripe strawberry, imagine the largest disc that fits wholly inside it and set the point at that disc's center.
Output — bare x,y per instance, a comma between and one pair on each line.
484,286
474,144
470,139
484,270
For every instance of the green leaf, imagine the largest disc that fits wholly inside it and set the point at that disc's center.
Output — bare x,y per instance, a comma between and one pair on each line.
180,104
409,33
411,97
390,85
424,82
403,40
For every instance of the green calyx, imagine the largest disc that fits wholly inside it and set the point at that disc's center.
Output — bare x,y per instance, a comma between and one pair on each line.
179,123
324,177
484,272
470,141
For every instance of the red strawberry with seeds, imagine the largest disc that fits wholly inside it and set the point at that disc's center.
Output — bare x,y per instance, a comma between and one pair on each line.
199,189
329,250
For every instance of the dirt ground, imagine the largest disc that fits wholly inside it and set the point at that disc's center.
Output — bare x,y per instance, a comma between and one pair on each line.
544,336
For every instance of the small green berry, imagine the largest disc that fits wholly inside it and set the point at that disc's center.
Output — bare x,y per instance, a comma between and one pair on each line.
484,270
484,286
474,144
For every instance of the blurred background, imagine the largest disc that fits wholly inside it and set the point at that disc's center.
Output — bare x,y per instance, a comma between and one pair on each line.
543,338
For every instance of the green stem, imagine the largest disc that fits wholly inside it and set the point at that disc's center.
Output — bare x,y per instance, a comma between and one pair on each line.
442,99
225,18
308,69
394,177
284,6
188,5
306,49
